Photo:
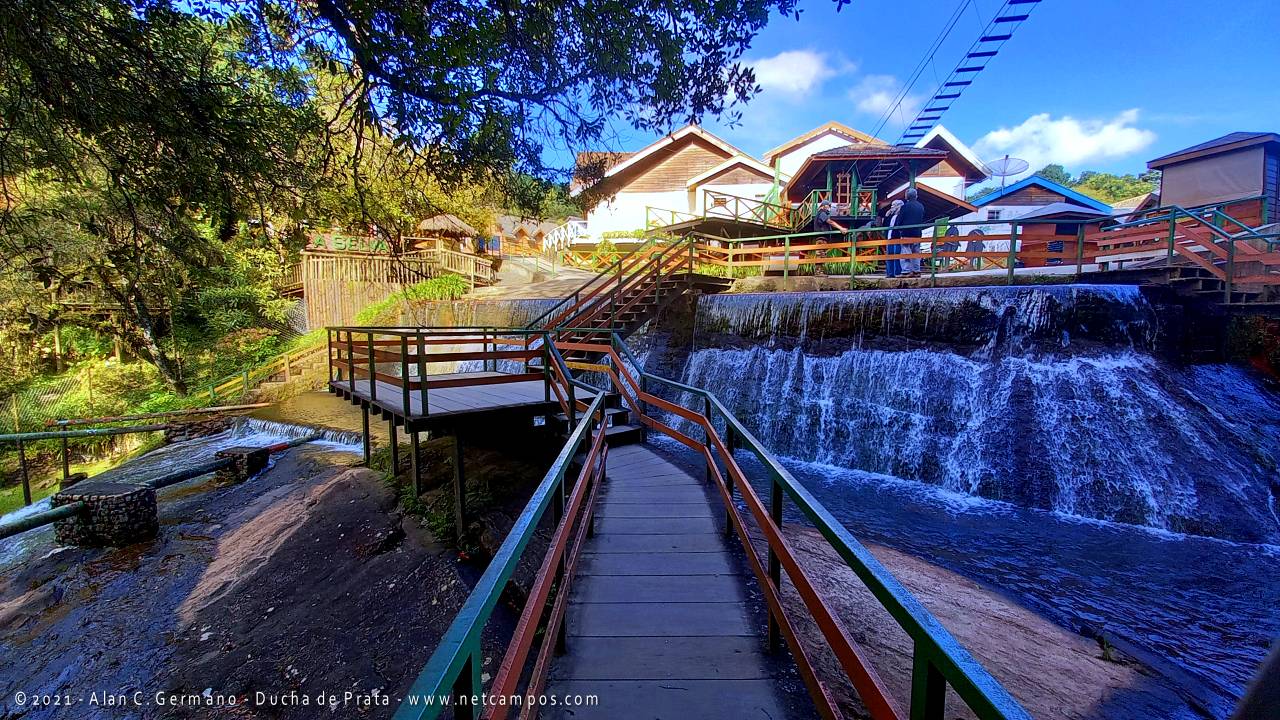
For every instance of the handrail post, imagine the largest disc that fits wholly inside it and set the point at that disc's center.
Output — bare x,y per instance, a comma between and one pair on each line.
786,262
422,374
1173,231
928,687
933,258
1231,270
404,378
775,564
328,350
26,478
351,365
1079,250
853,258
1013,249
373,370
466,688
66,460
706,433
546,369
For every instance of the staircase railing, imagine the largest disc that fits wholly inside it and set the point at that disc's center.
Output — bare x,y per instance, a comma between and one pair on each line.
455,667
233,386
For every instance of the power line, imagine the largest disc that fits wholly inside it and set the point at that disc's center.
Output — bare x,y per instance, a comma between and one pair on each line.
1003,24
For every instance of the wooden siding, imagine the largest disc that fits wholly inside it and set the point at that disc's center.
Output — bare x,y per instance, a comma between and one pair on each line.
1271,185
943,169
737,176
1031,195
672,167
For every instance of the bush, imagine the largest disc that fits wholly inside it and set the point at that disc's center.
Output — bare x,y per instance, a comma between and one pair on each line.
445,287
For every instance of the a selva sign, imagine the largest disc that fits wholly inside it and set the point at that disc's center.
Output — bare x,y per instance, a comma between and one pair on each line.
346,243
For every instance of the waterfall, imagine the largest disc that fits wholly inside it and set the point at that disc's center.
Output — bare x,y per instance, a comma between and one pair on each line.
1044,397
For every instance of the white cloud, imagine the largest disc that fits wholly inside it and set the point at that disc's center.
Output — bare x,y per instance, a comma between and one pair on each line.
797,72
876,94
1042,140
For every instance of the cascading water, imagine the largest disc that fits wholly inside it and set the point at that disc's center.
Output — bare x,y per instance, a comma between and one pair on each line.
1044,397
904,411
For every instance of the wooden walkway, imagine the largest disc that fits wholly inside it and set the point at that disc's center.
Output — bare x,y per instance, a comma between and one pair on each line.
661,623
444,403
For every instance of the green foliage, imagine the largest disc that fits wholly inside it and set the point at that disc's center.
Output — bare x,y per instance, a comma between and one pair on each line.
624,235
1056,173
445,287
1110,188
723,271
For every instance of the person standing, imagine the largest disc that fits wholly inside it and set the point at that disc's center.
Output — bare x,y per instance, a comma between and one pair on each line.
912,213
893,267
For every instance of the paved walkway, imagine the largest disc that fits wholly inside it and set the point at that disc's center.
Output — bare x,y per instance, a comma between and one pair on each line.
661,623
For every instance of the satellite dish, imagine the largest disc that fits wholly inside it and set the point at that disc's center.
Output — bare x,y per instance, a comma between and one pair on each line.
1006,167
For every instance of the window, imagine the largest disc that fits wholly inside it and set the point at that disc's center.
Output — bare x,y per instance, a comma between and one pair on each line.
993,214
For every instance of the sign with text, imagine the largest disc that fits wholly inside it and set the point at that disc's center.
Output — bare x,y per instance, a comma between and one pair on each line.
347,243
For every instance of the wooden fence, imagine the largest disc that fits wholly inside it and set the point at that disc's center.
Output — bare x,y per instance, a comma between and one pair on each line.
339,285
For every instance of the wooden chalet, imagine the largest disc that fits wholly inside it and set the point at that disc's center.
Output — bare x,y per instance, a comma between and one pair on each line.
1239,167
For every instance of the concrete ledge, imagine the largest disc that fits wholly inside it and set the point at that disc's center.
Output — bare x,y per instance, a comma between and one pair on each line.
115,514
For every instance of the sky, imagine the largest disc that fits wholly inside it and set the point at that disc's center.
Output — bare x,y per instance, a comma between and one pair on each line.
1099,85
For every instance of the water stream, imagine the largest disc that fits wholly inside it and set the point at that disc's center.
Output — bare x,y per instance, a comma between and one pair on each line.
1034,439
246,431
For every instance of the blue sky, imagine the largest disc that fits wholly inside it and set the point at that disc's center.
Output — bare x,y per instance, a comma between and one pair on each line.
1092,84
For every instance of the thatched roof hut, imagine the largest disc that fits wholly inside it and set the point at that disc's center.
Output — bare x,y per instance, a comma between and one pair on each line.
446,225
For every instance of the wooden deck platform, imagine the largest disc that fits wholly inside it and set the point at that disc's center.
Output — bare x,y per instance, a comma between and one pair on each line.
661,623
449,404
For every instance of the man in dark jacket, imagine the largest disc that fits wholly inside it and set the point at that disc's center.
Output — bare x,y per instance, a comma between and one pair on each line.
912,213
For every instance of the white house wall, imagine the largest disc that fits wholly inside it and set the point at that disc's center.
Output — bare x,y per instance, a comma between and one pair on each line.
791,161
626,211
953,185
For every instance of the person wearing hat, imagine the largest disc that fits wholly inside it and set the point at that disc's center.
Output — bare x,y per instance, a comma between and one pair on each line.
822,222
892,268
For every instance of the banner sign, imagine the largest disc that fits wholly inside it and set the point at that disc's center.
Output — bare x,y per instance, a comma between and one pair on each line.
346,243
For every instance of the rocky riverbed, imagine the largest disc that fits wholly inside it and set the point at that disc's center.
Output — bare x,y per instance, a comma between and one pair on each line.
303,584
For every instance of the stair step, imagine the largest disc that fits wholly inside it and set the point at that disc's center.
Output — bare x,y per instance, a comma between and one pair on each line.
612,416
623,435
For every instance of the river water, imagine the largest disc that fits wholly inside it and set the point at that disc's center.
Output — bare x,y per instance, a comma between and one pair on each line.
1033,439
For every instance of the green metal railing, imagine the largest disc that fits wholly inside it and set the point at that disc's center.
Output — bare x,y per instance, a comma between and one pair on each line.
454,669
939,661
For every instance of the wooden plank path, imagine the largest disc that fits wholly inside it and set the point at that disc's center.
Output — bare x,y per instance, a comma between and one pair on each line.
451,400
660,622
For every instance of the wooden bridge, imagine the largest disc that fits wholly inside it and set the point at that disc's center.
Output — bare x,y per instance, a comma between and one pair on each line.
660,593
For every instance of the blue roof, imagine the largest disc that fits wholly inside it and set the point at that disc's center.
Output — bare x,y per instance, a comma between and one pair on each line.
1047,184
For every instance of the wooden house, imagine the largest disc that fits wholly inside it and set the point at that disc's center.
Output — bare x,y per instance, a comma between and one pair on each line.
671,173
1025,198
1240,167
790,155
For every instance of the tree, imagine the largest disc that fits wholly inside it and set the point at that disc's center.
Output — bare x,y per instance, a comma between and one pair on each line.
1055,173
132,144
1110,188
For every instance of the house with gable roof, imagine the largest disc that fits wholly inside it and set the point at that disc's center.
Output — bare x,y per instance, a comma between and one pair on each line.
671,174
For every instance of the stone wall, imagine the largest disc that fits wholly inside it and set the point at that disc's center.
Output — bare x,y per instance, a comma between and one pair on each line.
115,514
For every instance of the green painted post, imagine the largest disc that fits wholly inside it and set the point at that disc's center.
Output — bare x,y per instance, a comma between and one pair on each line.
706,434
773,636
933,260
1013,249
928,688
1231,270
244,381
213,393
66,460
1079,250
26,478
364,439
1173,232
853,257
786,263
